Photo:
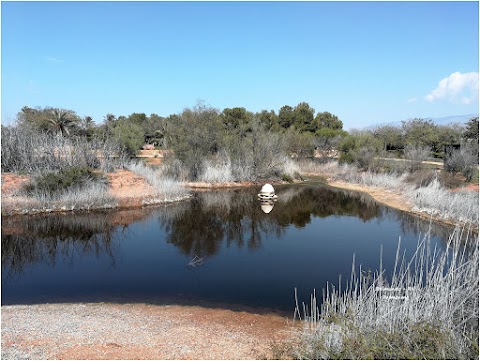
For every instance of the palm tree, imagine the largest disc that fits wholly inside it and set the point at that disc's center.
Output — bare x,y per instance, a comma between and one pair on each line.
109,118
62,120
87,122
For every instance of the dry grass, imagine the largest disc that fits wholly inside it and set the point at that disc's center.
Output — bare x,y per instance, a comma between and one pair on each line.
168,188
93,196
431,199
428,309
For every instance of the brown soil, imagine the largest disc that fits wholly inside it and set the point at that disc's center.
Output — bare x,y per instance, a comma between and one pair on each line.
129,188
12,182
469,187
137,331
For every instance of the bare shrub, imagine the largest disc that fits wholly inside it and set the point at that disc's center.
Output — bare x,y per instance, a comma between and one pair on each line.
165,187
464,160
24,149
173,168
416,154
450,180
311,166
421,177
331,169
382,180
290,167
217,169
363,156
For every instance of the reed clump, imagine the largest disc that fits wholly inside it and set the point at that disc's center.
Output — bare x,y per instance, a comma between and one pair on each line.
426,309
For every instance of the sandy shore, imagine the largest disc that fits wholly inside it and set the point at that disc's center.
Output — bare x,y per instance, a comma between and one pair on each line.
137,331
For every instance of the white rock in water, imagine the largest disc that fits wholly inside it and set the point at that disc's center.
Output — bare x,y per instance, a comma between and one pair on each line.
267,189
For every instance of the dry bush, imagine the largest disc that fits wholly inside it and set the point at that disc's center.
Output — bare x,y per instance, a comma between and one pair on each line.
416,154
25,150
464,160
217,169
450,180
165,187
421,177
457,206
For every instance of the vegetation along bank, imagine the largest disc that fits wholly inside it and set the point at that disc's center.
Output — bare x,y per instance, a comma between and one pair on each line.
65,162
54,160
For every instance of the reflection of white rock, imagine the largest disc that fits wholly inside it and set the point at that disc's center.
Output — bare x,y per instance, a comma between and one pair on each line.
267,192
267,206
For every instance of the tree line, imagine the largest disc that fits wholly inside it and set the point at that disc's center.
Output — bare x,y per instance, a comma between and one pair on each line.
253,144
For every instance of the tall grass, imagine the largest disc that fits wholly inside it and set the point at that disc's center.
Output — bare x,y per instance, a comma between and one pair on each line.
434,199
29,151
92,196
431,199
165,187
217,171
427,309
221,170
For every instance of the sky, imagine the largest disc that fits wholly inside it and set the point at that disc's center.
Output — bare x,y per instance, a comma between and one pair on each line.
366,62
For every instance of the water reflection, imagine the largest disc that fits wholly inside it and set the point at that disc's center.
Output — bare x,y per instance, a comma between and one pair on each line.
267,205
56,238
234,216
198,228
45,239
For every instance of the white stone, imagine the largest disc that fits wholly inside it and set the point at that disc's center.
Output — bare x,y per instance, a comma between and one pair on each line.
267,189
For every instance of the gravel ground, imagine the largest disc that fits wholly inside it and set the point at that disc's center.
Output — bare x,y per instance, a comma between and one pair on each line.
137,331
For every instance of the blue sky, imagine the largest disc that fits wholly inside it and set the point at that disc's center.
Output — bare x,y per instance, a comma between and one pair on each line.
366,62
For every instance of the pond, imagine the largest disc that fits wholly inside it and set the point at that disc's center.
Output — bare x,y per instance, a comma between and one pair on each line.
220,248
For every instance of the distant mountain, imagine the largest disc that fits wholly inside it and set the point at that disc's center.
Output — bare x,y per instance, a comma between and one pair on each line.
451,119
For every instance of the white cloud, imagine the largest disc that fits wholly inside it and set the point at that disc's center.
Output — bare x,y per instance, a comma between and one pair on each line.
52,60
456,88
412,100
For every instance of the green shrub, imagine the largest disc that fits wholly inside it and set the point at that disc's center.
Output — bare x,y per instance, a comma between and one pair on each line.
287,178
420,177
450,180
346,158
52,183
422,341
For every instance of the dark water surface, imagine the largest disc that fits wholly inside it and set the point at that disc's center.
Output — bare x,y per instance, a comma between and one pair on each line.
242,257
